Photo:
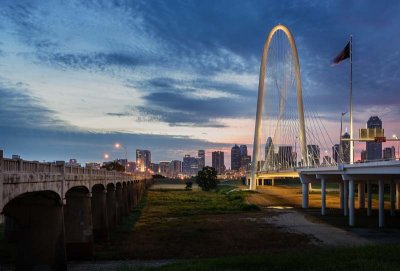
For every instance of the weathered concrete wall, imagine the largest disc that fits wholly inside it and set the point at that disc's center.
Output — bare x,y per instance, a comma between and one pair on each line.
111,207
99,213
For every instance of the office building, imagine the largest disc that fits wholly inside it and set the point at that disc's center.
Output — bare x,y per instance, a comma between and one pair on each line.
374,149
389,153
313,153
175,168
164,168
235,158
363,155
201,154
243,150
190,165
285,157
336,153
345,148
143,160
218,161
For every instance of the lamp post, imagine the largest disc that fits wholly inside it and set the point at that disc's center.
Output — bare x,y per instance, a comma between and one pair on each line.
395,137
118,146
340,144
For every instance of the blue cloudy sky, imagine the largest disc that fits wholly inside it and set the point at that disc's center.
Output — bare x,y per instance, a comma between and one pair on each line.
176,76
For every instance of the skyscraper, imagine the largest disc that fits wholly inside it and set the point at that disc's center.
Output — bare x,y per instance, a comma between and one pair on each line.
313,153
374,149
190,165
285,157
201,154
336,152
363,155
175,168
269,153
243,150
235,158
218,161
389,153
143,160
346,148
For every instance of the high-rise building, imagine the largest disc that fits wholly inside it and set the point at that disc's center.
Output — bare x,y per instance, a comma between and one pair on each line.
243,150
336,153
143,160
218,161
190,165
374,149
155,168
389,153
346,148
363,155
285,157
131,167
201,154
235,158
164,168
175,168
313,153
246,163
269,153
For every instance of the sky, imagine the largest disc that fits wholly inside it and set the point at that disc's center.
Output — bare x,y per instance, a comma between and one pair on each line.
177,76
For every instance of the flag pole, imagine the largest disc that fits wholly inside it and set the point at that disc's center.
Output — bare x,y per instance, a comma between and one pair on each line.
351,102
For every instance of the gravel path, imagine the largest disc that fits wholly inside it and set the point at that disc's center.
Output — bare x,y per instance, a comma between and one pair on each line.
321,233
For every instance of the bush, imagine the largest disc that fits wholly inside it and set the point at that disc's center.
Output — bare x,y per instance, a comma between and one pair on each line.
207,178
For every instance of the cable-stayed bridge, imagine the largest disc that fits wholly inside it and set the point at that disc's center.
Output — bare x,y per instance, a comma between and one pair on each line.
291,139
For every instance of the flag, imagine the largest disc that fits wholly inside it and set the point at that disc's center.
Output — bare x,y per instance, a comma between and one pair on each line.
345,53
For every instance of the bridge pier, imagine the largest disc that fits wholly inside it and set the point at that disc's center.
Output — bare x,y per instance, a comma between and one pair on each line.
78,224
323,197
392,198
130,198
38,229
361,195
304,189
118,199
351,203
381,204
111,207
99,213
345,198
369,198
124,199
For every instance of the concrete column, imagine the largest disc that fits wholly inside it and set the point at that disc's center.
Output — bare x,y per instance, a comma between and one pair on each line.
304,187
381,204
78,224
120,204
272,182
99,213
351,203
111,207
323,197
345,198
398,196
125,199
369,198
341,195
38,221
361,195
392,198
130,196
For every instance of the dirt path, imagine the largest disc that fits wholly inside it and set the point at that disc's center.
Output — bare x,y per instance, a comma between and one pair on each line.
320,233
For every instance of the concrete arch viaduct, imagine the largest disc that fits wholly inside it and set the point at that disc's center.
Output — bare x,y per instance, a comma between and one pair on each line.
56,211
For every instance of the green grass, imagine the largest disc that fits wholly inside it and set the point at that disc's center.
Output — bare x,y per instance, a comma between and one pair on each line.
369,258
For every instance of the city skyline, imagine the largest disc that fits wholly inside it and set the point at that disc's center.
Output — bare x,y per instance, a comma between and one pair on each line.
164,78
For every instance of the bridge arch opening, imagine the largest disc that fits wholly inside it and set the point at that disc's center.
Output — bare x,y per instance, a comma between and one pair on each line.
34,220
99,213
260,100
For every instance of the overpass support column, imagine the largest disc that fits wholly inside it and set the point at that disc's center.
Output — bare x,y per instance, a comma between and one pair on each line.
398,196
323,196
345,198
272,182
361,195
304,188
341,195
111,207
351,202
369,198
99,213
130,196
381,204
78,224
392,198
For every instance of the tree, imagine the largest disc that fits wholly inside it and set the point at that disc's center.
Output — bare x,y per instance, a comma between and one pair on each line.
207,178
114,165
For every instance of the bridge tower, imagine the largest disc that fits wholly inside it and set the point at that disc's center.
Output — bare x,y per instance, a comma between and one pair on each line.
260,100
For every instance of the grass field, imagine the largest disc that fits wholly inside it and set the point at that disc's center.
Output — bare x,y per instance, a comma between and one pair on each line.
370,258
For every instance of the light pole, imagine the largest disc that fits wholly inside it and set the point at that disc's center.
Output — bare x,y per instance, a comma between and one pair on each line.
340,145
395,137
118,146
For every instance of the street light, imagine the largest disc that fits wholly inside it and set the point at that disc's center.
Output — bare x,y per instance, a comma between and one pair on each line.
118,146
106,156
395,137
